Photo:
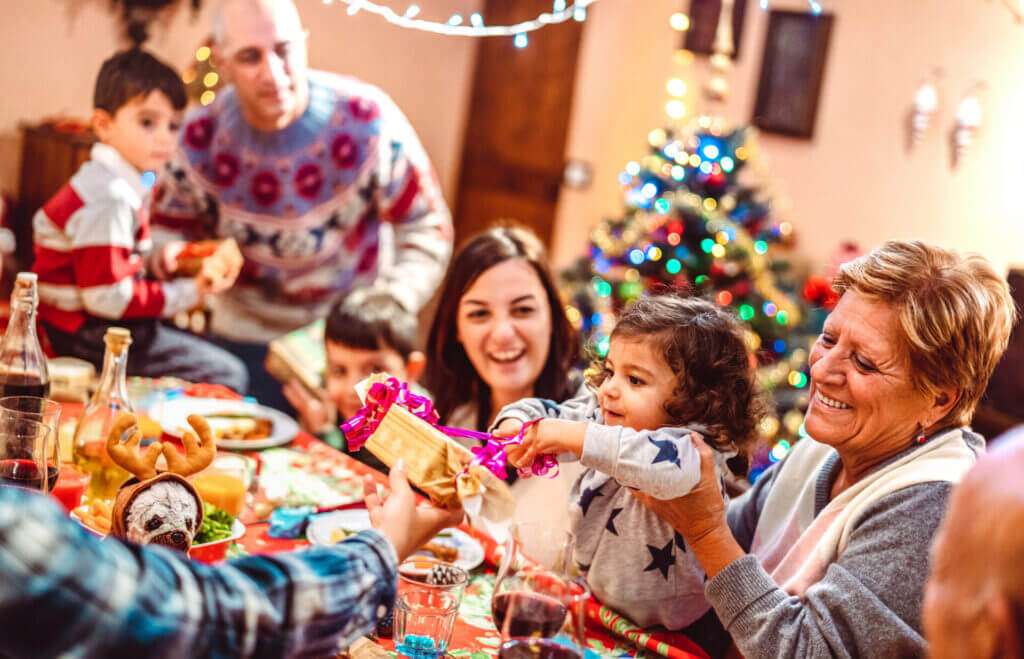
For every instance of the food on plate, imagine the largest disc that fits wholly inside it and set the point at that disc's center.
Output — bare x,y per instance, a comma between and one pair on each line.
440,551
337,535
216,525
96,515
239,425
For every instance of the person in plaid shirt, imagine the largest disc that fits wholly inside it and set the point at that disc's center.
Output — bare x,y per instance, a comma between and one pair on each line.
64,592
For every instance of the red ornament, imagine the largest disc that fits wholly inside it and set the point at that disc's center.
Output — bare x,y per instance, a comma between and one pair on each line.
818,291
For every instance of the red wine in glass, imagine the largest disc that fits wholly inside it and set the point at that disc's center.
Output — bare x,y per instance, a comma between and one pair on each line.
537,648
18,384
25,473
529,614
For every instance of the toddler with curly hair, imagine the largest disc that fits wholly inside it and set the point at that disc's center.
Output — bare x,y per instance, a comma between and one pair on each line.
675,366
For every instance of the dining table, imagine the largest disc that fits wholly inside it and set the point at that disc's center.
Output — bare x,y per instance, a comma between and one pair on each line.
305,459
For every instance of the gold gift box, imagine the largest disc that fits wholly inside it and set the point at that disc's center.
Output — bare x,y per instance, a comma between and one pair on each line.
436,463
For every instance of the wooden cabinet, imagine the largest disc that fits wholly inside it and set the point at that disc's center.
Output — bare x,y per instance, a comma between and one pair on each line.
50,155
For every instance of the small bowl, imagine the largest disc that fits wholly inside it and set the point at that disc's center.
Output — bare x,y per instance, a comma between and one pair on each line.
208,552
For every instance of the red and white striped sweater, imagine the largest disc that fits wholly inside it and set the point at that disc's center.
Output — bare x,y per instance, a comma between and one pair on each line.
90,242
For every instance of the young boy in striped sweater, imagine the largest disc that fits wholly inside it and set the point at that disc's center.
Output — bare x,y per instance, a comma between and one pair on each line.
92,236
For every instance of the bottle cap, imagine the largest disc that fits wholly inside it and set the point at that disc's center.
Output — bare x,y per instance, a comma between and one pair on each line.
28,277
117,339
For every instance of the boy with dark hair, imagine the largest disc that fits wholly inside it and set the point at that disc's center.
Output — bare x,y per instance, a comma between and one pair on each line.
366,332
91,237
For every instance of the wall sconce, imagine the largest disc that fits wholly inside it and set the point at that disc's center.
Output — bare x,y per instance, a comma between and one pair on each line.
968,121
926,102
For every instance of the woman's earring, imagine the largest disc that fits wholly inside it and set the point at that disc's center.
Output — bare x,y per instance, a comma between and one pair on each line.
920,438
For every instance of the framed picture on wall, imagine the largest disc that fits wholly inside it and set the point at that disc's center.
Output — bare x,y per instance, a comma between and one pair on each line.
700,38
792,72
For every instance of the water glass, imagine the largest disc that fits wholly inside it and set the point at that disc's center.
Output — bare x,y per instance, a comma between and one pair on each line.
424,622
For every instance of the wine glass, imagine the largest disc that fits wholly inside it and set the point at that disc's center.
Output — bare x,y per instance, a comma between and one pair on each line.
28,454
43,410
537,596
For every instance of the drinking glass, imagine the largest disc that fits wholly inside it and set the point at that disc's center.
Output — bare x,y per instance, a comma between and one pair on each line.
538,601
424,622
43,410
28,454
429,594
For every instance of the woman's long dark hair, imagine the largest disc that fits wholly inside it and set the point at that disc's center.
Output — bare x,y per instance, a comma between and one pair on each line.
450,376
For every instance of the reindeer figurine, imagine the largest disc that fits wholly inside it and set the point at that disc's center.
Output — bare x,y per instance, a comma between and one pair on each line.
159,508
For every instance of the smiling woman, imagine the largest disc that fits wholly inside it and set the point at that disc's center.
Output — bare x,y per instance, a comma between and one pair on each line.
826,554
500,332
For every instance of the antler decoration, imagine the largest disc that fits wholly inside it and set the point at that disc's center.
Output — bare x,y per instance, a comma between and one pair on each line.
199,453
125,454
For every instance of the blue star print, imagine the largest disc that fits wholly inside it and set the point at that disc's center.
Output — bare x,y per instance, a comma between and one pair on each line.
667,451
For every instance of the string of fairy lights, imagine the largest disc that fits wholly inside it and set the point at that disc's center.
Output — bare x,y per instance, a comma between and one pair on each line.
469,24
473,25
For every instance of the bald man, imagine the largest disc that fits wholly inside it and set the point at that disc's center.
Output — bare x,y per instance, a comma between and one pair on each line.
319,178
974,600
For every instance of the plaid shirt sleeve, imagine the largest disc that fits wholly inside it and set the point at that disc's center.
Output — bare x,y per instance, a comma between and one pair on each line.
66,593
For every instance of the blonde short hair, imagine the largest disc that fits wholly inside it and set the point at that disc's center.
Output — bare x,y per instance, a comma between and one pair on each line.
954,312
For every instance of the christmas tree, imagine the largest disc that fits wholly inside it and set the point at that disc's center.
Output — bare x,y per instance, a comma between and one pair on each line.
697,218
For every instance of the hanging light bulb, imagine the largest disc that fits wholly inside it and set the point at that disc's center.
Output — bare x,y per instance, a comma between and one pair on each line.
676,87
679,22
476,20
520,40
412,11
456,19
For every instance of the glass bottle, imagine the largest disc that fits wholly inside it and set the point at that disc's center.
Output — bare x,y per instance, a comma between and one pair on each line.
110,399
22,363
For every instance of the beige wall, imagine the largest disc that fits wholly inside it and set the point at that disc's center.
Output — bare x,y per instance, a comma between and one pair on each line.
855,179
50,51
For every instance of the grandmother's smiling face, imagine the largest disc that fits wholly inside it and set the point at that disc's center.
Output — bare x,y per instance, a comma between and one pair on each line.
862,398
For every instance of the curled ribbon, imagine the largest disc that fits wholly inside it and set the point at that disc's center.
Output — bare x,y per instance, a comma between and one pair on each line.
490,454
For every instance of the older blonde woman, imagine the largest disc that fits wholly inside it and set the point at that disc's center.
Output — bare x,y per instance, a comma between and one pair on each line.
827,554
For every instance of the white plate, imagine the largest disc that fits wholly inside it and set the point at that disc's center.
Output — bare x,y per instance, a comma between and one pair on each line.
174,419
321,527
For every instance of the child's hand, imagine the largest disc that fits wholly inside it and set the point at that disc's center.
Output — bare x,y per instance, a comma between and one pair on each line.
220,270
547,436
508,428
316,412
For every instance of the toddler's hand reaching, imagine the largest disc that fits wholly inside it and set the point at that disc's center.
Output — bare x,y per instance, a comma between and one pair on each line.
547,436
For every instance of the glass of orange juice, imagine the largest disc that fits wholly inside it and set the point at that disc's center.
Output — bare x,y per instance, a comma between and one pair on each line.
223,483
